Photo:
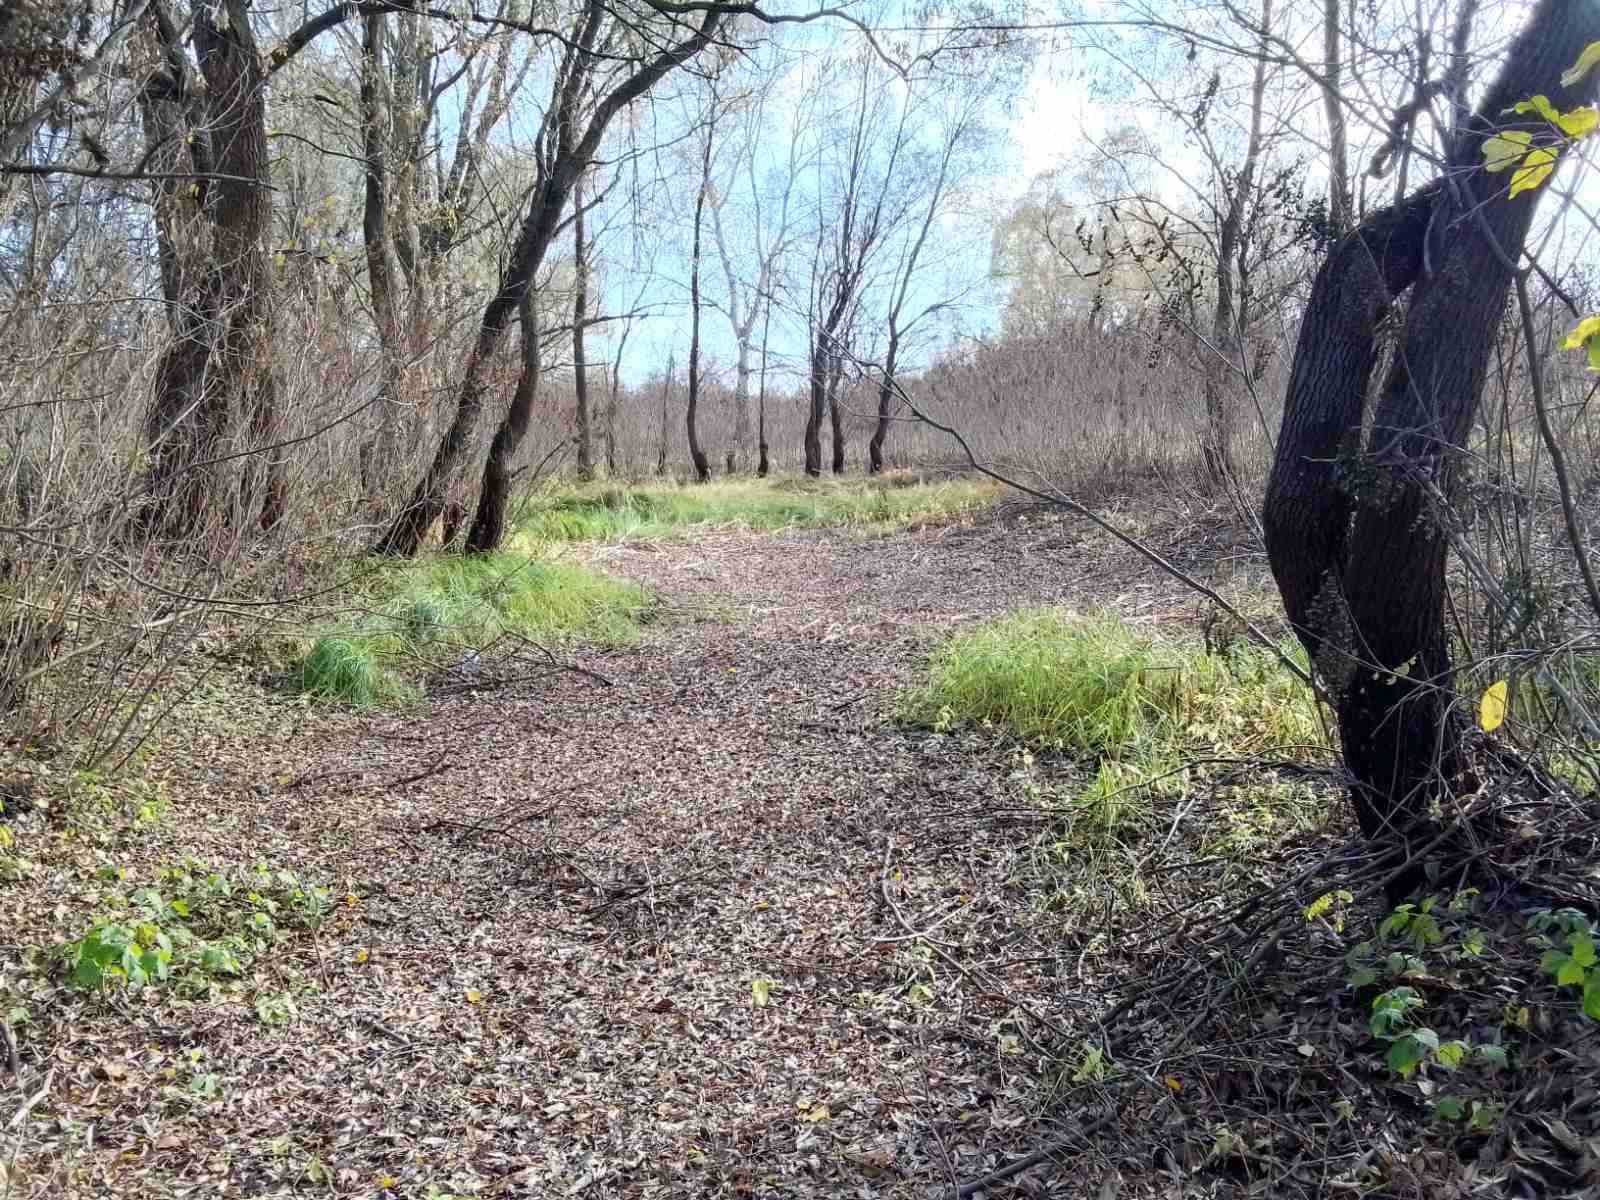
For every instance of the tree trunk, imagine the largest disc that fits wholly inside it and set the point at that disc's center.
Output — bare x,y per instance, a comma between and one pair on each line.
697,454
488,526
1357,533
764,461
1223,357
218,365
580,306
381,454
885,404
1341,205
666,395
819,405
835,417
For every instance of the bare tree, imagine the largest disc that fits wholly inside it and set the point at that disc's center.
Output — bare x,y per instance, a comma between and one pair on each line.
584,101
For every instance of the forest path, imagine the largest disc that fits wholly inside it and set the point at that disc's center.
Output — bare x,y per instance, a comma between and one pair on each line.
657,938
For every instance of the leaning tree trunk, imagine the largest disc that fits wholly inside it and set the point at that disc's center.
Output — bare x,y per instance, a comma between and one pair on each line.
488,527
1357,531
818,410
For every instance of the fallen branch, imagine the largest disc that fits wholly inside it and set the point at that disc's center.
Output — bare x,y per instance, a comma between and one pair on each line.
27,1105
1040,1155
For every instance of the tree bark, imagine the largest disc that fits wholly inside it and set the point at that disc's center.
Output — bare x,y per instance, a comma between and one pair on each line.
1341,204
1357,531
835,416
764,460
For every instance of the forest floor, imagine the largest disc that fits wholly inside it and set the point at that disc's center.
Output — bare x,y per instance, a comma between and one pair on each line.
704,922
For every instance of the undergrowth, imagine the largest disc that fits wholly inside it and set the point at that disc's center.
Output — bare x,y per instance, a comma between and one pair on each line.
611,512
429,614
1142,722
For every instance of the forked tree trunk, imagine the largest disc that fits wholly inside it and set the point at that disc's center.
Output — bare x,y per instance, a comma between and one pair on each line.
405,535
1356,531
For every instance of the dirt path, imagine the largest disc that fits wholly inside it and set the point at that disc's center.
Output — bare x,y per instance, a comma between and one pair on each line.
659,938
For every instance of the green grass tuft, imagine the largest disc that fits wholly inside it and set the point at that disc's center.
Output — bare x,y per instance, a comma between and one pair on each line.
422,615
612,513
1095,685
346,670
1141,710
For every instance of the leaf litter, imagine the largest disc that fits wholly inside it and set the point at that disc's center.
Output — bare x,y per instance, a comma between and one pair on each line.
721,929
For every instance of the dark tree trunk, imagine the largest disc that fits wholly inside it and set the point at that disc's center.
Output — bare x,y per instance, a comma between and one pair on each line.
218,366
488,526
885,404
1356,532
380,455
697,454
580,306
835,416
763,460
818,410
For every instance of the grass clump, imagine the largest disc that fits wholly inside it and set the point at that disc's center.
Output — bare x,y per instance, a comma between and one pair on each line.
423,615
611,513
1147,714
1095,685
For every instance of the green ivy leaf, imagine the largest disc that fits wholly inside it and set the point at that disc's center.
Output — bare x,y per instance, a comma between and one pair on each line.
1591,996
1405,1056
1451,1054
1583,950
1492,1056
1570,974
1450,1108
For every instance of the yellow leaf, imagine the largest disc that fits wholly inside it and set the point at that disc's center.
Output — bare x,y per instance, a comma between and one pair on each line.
1586,63
1506,149
387,1181
362,955
1537,104
760,992
1174,1084
1492,708
474,996
1535,170
1586,329
1580,122
820,1113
